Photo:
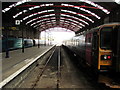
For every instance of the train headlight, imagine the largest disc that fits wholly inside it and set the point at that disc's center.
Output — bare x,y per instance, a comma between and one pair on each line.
105,57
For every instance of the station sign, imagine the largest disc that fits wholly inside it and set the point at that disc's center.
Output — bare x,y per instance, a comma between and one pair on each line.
2,28
17,22
11,28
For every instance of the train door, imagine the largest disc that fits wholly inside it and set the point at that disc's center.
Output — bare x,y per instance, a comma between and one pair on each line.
95,50
88,49
116,49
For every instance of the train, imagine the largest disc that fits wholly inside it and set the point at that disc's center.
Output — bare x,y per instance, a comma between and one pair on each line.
37,41
13,43
97,47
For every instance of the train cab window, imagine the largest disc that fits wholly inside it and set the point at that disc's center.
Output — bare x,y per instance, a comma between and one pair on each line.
106,38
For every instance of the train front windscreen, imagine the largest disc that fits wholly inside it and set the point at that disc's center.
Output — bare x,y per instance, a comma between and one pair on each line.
106,38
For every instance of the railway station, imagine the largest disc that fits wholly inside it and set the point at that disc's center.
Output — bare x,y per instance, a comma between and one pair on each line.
60,44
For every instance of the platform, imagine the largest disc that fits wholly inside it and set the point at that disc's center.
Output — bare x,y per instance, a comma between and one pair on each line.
18,59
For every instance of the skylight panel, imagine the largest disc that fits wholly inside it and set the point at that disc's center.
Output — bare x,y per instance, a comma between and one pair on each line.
44,11
71,5
65,4
96,5
45,16
48,21
25,18
50,10
62,20
17,14
69,23
53,20
65,24
69,11
36,26
90,13
32,24
36,7
31,8
79,15
76,22
65,15
77,7
31,21
86,10
51,14
24,11
41,22
42,5
82,10
62,23
48,15
36,22
37,14
75,18
14,5
43,26
47,4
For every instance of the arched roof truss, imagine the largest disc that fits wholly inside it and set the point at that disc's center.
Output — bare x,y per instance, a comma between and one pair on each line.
43,15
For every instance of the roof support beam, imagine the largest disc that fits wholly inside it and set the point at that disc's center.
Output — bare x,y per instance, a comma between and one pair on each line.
57,13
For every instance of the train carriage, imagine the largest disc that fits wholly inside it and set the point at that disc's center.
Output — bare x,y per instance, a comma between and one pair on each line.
13,43
99,46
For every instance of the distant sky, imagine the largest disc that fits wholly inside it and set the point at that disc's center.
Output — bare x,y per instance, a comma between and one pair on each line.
59,34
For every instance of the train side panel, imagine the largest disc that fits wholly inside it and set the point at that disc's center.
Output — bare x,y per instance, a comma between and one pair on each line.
28,42
88,51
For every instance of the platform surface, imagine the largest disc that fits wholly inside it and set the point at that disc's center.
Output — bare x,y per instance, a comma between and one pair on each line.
18,59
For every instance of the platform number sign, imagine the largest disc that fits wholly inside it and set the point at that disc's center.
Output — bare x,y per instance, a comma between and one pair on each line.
17,22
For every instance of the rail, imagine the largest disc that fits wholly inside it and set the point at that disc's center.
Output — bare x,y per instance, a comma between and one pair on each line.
59,70
41,73
54,60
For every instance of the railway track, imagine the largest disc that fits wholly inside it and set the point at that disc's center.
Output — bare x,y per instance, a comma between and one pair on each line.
57,70
52,65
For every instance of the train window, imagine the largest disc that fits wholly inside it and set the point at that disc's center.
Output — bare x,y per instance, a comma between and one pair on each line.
95,42
106,38
89,39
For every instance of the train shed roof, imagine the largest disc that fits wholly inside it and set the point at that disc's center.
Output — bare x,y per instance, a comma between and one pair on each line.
74,15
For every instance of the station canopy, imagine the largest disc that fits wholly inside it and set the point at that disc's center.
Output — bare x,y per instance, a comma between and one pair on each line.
74,15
